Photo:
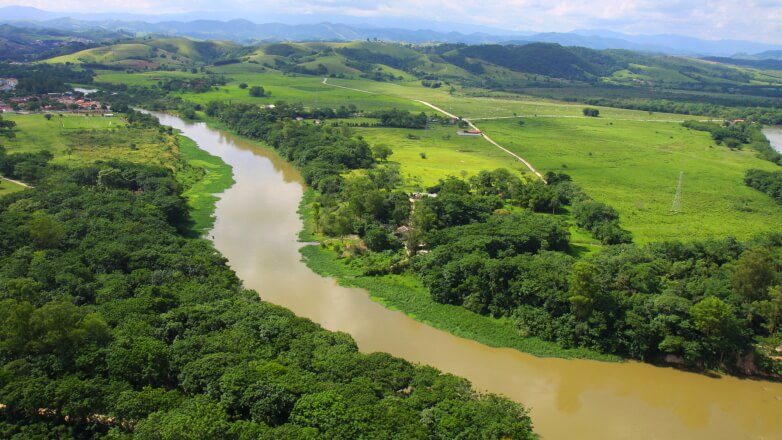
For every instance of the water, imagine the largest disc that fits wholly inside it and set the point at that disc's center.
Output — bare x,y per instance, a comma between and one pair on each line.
256,230
774,135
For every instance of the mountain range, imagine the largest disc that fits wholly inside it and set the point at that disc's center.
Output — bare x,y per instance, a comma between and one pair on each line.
213,26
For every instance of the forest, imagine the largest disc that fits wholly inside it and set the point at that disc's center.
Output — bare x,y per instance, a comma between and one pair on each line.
113,324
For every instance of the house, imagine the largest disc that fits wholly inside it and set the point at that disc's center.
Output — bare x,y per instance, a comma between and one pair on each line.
8,84
402,230
469,133
421,195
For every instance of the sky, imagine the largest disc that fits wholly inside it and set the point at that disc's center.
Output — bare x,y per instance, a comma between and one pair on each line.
755,20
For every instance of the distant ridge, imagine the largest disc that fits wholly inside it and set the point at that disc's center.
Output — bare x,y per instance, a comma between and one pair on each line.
223,26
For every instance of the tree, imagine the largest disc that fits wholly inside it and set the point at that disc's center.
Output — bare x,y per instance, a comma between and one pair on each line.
243,86
381,152
6,128
257,92
189,113
45,231
753,274
591,112
714,319
378,239
583,288
771,309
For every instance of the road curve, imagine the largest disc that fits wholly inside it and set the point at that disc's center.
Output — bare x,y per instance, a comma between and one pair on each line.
450,115
491,141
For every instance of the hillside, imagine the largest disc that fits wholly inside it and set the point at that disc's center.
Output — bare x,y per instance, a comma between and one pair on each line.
153,53
225,25
22,44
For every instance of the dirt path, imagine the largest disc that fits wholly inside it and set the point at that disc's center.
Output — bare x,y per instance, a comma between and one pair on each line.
490,140
450,115
325,81
16,182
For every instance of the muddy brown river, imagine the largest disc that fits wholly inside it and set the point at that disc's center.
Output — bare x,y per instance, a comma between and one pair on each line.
256,229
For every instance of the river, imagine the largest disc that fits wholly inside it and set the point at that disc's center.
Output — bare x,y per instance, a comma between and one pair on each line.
256,228
774,135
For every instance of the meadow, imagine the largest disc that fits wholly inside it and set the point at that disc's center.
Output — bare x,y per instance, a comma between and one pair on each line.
293,88
635,167
426,156
9,187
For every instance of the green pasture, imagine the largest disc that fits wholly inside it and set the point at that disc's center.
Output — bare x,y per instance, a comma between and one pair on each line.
77,139
8,187
143,79
106,54
308,90
36,133
464,104
447,154
634,166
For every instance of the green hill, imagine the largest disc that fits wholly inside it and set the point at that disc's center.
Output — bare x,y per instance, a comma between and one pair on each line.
157,53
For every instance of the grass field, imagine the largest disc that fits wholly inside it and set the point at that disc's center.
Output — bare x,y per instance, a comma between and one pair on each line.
447,154
79,140
35,133
106,54
8,187
634,166
75,140
308,90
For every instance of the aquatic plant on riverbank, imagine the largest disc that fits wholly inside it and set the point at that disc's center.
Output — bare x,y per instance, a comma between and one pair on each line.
216,177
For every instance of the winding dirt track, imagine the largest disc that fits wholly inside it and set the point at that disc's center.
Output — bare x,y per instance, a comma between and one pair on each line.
450,115
16,182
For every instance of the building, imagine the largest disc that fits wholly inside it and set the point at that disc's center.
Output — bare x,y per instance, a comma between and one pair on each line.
8,84
469,133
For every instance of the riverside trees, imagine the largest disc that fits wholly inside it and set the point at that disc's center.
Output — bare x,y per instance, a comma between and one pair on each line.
118,326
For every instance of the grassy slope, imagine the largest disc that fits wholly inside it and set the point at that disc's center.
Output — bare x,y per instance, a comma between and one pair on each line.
8,187
106,54
634,166
94,138
174,52
447,154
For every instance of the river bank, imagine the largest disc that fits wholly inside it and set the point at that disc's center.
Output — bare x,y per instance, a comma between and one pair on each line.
257,228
